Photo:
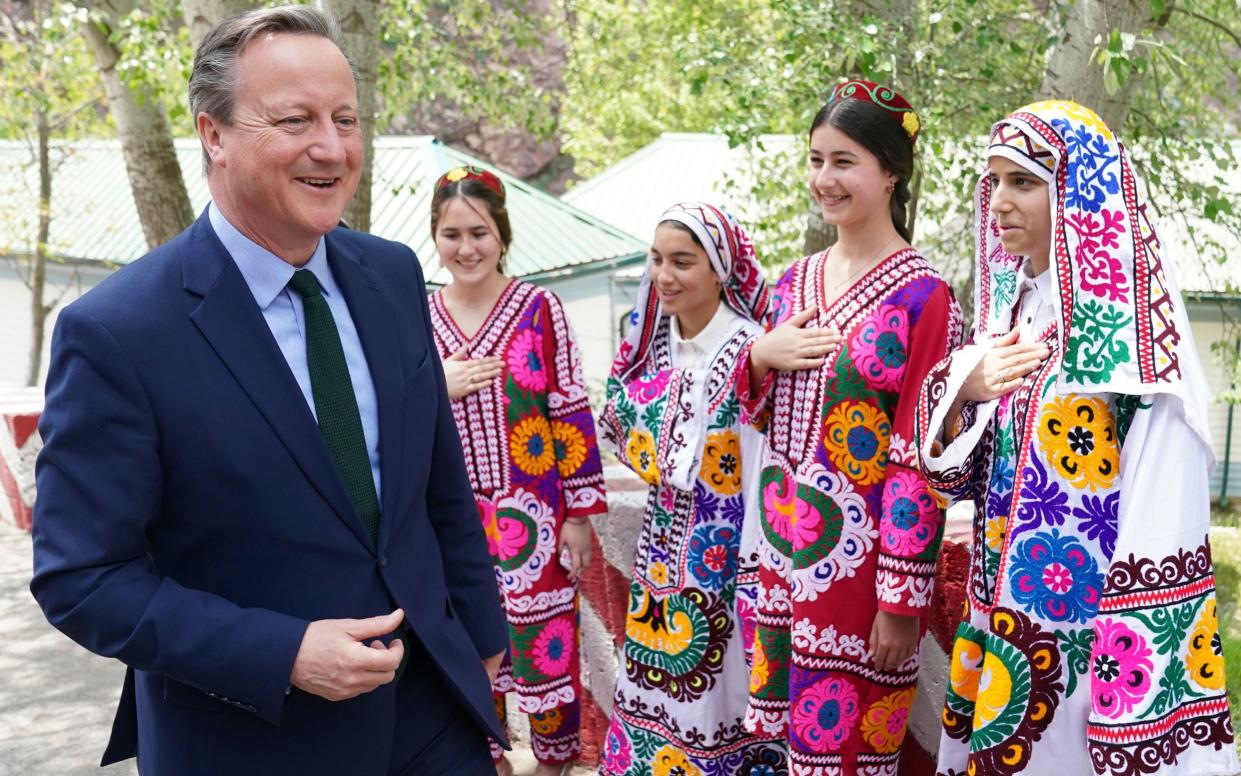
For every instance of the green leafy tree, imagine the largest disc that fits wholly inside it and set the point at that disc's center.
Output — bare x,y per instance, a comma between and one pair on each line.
51,94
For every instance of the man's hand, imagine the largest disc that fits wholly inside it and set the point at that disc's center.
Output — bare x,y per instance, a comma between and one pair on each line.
335,662
492,665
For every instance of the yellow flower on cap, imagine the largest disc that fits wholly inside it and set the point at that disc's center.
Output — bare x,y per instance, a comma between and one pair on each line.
456,174
911,124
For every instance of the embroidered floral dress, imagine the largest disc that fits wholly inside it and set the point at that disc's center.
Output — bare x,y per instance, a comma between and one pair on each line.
848,523
1091,639
529,443
673,417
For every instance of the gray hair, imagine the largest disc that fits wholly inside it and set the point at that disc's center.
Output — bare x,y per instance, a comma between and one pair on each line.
213,81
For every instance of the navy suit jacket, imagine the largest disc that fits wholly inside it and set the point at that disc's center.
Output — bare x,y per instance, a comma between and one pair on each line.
191,523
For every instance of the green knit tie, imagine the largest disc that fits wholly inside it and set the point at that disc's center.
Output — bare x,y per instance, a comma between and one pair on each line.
336,406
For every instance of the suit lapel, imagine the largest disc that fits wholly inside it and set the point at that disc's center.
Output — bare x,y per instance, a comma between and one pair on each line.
231,321
375,318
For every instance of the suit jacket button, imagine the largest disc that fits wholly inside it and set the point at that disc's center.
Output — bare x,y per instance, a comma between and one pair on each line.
383,562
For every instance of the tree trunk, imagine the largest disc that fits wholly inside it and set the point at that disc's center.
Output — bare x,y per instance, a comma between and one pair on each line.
359,21
38,260
202,15
1073,74
150,157
819,234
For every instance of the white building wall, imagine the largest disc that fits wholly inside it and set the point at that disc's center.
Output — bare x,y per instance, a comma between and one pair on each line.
1207,322
15,316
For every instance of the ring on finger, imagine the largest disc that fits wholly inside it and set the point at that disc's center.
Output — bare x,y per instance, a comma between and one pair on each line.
1003,376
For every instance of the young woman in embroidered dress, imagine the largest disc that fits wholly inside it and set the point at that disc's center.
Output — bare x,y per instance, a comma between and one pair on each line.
514,375
850,530
1076,424
673,417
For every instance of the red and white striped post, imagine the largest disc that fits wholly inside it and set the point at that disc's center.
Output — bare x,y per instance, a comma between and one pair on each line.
20,408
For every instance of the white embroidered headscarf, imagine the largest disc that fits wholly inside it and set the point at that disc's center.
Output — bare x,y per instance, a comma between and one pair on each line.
1121,322
732,258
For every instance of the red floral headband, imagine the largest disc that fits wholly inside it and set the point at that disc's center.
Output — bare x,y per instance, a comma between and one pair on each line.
885,97
474,173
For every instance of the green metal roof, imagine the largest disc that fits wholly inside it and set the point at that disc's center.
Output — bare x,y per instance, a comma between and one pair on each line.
94,217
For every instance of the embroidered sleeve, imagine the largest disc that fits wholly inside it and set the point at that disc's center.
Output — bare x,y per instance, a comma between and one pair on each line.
649,422
913,517
952,470
573,424
1152,663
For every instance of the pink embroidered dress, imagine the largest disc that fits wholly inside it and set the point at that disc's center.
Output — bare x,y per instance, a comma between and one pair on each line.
849,525
529,444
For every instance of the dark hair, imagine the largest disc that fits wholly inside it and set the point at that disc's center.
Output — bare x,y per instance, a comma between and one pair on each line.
476,190
683,228
875,130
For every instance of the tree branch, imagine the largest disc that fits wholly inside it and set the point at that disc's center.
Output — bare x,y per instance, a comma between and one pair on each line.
1208,20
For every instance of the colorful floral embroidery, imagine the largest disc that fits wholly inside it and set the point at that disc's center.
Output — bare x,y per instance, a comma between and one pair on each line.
878,348
856,439
640,449
721,462
760,671
713,555
1206,652
1097,517
547,722
509,537
671,761
554,647
1099,272
883,725
569,444
531,444
824,714
1018,690
794,522
1120,668
994,533
617,752
964,677
1056,578
1079,438
649,387
676,643
525,361
912,515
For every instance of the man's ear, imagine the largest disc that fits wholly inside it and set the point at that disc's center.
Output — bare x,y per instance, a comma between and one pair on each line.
211,135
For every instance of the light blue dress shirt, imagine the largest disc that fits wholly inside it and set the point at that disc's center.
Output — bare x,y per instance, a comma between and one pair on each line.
268,277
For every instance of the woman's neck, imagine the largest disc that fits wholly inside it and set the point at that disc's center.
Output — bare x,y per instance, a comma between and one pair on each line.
483,293
859,244
692,322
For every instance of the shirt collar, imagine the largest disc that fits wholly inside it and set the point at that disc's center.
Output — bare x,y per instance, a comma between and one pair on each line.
1041,283
265,273
712,333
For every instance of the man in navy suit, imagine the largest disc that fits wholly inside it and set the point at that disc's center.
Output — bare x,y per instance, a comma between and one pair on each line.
251,490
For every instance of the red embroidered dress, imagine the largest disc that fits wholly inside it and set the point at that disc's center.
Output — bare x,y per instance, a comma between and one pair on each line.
848,523
529,444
